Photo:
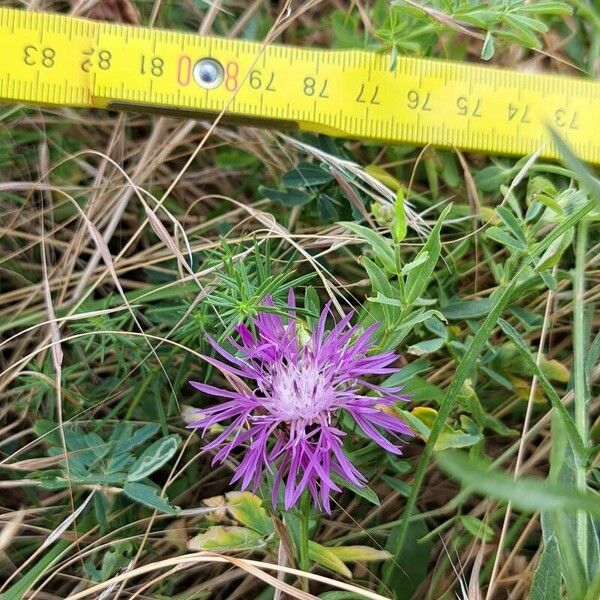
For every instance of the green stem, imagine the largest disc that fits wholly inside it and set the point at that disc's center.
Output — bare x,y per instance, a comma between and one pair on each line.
462,372
579,383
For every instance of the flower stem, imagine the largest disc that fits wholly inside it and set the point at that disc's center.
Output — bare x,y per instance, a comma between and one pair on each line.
580,385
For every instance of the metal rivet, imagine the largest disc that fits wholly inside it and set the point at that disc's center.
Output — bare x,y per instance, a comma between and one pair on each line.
208,73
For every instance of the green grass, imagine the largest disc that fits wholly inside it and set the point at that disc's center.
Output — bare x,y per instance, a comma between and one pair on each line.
492,307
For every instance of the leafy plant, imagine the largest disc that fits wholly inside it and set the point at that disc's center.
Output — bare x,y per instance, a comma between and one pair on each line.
256,530
516,21
92,461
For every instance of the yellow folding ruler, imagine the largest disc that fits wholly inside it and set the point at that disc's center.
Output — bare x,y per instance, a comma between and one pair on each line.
57,60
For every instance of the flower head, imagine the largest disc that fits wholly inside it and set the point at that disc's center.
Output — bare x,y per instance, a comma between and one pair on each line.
288,400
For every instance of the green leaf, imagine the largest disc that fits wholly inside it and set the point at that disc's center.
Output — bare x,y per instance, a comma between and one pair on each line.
306,175
379,299
154,457
547,7
489,48
418,317
49,431
326,558
449,437
397,484
499,235
458,309
426,346
413,264
384,177
593,591
364,492
526,493
553,254
36,571
485,420
549,280
359,553
247,509
519,32
512,223
409,566
221,538
399,229
489,179
379,280
421,390
96,444
418,278
116,557
99,478
555,370
571,564
381,246
543,190
123,441
546,579
286,197
147,495
477,528
582,174
82,448
481,17
593,354
101,507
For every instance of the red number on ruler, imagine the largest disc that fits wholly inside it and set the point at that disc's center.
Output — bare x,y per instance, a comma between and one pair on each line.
184,69
231,72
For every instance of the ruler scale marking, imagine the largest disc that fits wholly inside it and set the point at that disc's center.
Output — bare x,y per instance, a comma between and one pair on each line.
60,60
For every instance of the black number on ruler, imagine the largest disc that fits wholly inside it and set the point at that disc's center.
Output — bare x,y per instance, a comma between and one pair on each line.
86,65
363,99
156,66
464,107
257,83
310,87
414,101
518,113
48,55
564,118
45,56
104,58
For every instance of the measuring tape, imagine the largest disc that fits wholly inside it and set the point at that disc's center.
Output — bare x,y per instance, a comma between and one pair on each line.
57,60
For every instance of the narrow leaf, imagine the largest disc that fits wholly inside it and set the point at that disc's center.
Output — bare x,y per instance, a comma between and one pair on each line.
418,278
526,493
359,553
381,247
364,492
326,558
581,172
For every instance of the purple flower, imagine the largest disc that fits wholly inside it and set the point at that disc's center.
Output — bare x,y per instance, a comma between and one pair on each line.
287,417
